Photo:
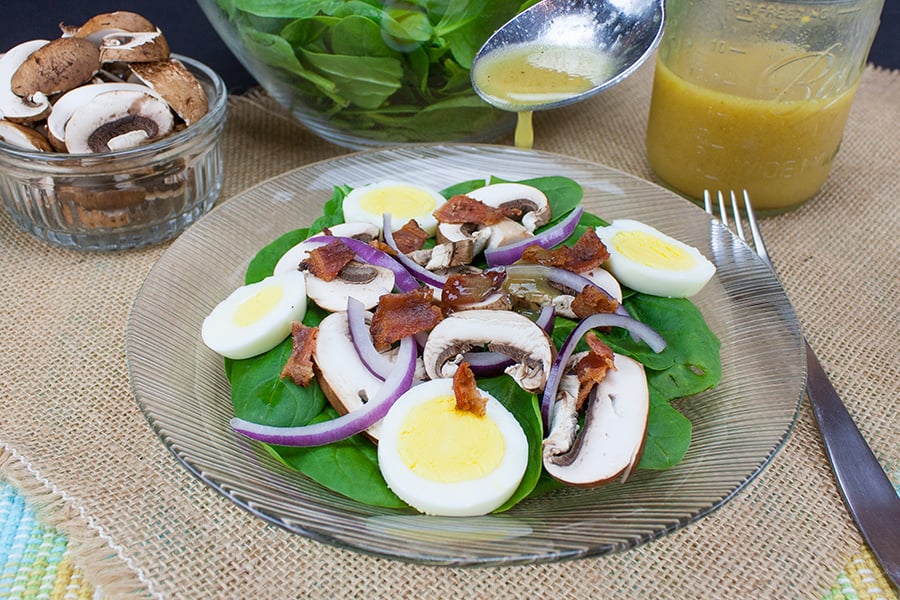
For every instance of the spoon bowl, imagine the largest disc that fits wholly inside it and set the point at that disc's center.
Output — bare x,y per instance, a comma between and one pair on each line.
594,43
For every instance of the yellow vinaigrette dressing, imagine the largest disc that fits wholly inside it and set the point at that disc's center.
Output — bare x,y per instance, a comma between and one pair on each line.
777,138
520,76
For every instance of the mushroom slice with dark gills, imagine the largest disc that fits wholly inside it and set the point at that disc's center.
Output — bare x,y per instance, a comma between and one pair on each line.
521,203
118,120
365,282
502,331
610,442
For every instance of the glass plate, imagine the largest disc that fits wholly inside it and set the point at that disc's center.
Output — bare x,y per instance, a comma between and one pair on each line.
738,427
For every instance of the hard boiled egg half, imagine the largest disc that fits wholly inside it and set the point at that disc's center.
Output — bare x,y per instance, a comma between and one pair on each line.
404,201
649,261
449,462
257,317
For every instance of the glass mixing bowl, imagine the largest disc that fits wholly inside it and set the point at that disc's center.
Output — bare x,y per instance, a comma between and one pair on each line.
367,74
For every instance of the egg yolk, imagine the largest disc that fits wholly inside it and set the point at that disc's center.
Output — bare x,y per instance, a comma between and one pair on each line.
257,306
652,251
401,201
439,443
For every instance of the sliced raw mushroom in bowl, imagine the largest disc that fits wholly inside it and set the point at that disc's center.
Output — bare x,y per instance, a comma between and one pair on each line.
56,67
24,137
118,120
12,106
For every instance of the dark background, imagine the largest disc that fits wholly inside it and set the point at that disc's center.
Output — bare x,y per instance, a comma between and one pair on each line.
190,33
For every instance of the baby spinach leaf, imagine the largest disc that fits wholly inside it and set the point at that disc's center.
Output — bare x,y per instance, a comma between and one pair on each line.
348,467
263,264
260,395
668,435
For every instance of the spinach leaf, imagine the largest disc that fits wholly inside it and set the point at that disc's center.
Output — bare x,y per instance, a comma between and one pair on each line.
259,394
348,467
397,72
668,435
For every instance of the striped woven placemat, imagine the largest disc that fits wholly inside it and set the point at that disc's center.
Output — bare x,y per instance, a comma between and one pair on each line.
34,558
35,561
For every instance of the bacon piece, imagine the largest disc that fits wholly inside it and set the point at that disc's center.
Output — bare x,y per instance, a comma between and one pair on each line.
463,209
592,369
468,398
592,300
325,262
379,245
585,254
402,314
410,237
299,366
467,288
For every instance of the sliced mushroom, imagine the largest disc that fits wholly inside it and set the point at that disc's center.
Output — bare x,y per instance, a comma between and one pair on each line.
364,232
57,67
68,103
134,47
171,79
103,24
501,331
22,136
444,256
14,107
506,232
524,204
367,283
344,379
611,440
460,232
117,120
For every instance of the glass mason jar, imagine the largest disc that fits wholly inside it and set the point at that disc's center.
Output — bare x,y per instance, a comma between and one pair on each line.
753,94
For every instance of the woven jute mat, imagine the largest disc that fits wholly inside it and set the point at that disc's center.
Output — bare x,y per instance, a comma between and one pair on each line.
74,441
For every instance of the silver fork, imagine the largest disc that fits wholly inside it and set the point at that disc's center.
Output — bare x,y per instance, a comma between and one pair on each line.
868,493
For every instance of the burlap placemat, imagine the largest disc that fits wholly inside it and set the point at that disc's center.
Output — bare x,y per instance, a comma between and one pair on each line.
73,439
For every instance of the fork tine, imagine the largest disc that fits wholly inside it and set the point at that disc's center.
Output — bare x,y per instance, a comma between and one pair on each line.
736,213
758,242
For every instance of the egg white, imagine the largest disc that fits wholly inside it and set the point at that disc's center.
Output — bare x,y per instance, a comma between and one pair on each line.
669,281
471,497
357,207
222,334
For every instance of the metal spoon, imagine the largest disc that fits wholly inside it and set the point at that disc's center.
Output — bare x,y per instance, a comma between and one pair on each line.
621,33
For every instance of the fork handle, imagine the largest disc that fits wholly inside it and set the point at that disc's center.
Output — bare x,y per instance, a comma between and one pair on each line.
869,494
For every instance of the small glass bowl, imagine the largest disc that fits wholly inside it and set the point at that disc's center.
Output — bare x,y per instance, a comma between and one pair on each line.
123,199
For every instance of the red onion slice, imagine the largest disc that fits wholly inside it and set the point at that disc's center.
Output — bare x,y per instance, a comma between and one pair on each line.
510,253
402,279
416,270
357,421
637,329
376,363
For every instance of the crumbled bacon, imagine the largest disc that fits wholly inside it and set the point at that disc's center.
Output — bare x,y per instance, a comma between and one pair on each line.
325,262
585,254
592,369
467,288
468,398
299,366
592,300
402,314
463,209
410,237
379,245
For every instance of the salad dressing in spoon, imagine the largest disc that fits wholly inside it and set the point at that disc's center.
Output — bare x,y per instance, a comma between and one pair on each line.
561,51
